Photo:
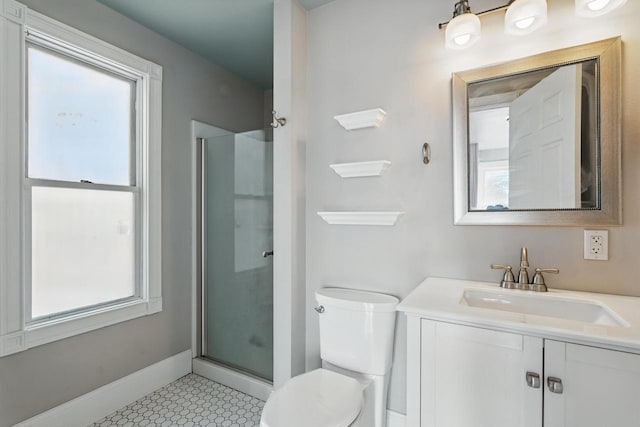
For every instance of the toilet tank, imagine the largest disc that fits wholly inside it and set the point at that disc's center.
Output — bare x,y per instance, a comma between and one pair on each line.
357,329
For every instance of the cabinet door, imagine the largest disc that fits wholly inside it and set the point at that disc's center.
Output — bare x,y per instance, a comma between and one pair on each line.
472,377
600,388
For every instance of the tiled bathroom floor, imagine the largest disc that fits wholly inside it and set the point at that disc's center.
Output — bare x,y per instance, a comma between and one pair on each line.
190,401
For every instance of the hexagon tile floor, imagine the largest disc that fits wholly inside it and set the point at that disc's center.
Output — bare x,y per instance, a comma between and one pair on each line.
190,401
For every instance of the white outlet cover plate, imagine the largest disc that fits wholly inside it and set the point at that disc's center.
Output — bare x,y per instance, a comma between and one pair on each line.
596,245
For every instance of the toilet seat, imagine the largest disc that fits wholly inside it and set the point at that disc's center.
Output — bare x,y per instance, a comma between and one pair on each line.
319,398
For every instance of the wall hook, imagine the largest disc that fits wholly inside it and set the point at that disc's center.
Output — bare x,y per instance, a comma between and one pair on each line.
426,153
277,121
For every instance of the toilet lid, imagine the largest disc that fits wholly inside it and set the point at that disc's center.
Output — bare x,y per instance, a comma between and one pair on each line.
318,398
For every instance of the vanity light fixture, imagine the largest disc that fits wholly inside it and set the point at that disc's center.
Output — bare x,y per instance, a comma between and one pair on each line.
593,8
464,29
521,17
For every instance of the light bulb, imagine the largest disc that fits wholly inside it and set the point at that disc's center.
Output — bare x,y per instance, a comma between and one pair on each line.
593,8
598,4
525,23
525,16
462,31
462,39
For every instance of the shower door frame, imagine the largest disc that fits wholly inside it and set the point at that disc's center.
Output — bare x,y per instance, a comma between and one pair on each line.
230,376
290,305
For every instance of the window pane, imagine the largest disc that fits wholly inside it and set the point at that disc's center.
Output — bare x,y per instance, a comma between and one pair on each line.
80,121
83,248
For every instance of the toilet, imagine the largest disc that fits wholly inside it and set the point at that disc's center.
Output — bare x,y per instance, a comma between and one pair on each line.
356,347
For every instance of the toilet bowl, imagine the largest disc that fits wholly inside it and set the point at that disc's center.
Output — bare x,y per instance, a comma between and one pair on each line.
318,398
350,390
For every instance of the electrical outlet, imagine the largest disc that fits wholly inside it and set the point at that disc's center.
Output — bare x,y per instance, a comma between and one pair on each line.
596,245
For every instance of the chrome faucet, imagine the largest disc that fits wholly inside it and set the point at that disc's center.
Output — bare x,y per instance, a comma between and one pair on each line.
523,284
523,274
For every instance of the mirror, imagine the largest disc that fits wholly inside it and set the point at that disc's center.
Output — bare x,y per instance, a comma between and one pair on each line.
537,140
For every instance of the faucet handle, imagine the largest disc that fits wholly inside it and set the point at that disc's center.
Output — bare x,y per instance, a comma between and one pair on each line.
538,283
508,281
501,267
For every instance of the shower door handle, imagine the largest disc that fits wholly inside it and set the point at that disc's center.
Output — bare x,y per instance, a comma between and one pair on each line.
266,254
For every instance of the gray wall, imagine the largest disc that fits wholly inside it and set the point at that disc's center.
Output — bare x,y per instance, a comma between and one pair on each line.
193,88
377,53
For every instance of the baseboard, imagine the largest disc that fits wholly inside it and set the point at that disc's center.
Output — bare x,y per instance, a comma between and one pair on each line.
260,389
107,399
248,385
396,419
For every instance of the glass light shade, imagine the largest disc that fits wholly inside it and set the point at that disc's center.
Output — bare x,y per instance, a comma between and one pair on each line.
462,31
593,8
525,16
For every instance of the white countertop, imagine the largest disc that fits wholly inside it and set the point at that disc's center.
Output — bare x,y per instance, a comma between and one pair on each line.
440,299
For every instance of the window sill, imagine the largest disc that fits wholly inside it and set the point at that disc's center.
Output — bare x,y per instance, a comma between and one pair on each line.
57,329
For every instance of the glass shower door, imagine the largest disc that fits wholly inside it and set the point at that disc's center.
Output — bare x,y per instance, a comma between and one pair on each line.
237,216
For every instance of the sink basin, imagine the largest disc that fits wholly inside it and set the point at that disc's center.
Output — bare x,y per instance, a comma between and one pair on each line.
543,305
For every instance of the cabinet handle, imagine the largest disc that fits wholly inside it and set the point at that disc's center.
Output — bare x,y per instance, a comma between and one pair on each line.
555,385
533,380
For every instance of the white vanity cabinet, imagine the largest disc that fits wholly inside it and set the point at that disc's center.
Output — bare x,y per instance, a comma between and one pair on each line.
473,377
468,376
520,358
601,387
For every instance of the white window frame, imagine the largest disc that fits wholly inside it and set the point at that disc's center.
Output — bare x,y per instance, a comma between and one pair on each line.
17,331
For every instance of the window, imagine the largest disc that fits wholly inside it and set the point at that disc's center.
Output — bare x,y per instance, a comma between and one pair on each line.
80,133
80,214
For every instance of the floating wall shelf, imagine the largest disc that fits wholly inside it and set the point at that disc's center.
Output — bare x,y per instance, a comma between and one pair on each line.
361,119
361,169
360,218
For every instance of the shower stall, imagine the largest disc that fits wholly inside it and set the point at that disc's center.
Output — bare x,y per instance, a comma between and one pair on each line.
235,224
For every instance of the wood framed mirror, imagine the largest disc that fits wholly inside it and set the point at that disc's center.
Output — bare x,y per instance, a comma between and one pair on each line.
537,140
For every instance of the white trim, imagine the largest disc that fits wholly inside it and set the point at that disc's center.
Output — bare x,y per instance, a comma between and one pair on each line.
57,329
396,419
236,380
11,107
13,10
362,119
91,46
413,371
15,332
103,401
107,399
